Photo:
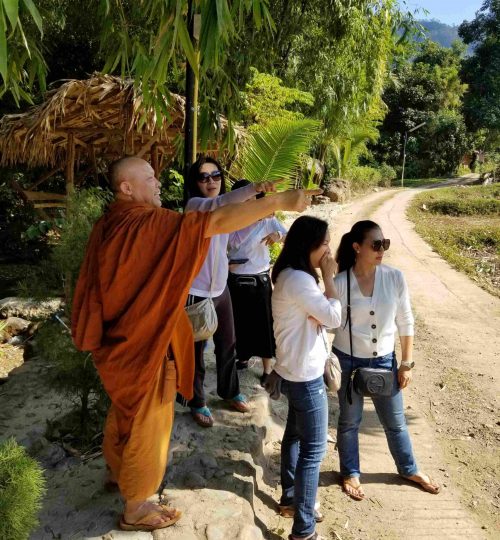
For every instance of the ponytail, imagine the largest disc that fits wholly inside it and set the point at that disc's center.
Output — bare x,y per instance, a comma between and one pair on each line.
346,256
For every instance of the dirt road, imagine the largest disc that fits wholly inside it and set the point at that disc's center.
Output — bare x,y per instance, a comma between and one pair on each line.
451,407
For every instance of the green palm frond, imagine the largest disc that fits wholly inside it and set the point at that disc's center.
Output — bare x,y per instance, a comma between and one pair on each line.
274,151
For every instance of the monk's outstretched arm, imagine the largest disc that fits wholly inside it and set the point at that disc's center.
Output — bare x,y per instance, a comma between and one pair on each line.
233,217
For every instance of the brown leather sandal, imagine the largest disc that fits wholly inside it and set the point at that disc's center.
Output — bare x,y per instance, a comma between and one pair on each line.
142,523
315,536
289,512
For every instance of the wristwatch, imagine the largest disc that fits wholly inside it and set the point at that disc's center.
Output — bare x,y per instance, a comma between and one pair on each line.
406,364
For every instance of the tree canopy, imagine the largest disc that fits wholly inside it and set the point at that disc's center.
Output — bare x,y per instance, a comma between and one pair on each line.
481,70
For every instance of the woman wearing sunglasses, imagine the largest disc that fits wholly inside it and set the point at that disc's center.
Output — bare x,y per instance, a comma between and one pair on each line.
379,305
207,191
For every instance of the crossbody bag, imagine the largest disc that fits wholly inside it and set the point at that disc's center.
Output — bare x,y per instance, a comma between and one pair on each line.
202,315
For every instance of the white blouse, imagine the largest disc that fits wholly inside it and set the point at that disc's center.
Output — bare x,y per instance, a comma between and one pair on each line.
300,344
212,279
247,244
374,319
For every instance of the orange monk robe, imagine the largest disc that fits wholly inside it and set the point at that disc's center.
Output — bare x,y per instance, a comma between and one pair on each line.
128,307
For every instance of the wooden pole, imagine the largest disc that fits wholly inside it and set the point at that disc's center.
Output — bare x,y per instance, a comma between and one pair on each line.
154,160
70,166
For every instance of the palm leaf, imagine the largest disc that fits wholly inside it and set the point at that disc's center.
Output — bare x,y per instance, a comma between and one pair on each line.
274,151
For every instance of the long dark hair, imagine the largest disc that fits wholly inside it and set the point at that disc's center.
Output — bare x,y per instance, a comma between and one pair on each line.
306,234
346,256
192,188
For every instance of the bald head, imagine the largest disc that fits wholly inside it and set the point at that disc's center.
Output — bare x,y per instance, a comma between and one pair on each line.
133,179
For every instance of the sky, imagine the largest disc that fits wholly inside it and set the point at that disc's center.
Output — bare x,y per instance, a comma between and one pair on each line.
447,11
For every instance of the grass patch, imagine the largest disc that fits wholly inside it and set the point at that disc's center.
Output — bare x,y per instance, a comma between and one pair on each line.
463,226
417,182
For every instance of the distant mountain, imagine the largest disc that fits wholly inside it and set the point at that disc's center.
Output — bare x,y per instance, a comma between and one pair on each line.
442,33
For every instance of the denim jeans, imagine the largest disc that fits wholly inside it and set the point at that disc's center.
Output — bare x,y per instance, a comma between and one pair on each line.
389,411
302,450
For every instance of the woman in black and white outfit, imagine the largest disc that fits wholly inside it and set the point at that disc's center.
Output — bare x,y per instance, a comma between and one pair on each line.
379,306
250,287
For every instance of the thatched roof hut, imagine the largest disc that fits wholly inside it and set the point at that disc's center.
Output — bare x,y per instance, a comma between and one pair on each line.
85,124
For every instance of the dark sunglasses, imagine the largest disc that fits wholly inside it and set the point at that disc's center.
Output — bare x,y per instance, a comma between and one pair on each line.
378,244
205,177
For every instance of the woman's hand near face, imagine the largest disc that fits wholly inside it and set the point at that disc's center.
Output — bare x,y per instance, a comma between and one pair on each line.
328,266
404,377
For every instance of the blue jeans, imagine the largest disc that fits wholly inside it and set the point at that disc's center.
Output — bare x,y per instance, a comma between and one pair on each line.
302,450
389,411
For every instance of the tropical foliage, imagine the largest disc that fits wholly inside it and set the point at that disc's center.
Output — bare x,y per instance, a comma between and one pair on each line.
425,90
273,151
481,70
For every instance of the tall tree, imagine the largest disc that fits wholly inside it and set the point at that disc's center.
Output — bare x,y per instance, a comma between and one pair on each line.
481,70
426,89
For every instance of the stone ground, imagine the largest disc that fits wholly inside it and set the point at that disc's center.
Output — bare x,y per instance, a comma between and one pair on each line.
226,479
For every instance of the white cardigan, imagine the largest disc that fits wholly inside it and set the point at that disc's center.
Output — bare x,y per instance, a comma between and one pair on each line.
374,319
300,344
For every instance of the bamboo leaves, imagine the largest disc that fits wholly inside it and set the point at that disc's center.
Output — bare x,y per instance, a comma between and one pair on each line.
20,59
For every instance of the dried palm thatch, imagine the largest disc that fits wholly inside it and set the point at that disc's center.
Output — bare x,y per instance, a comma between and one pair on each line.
84,122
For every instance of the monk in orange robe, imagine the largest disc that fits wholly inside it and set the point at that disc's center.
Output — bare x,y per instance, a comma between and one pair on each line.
128,310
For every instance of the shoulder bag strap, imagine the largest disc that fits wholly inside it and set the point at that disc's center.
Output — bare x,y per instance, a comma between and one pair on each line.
348,321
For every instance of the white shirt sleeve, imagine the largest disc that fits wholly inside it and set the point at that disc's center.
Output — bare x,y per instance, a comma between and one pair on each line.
404,315
277,226
309,297
205,204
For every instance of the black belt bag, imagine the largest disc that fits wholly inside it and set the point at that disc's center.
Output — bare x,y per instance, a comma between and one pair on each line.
366,381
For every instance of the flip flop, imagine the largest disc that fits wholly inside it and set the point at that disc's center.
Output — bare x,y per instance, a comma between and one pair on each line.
202,416
239,403
430,487
355,493
143,525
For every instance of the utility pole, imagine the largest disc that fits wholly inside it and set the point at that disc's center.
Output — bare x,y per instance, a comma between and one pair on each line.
404,149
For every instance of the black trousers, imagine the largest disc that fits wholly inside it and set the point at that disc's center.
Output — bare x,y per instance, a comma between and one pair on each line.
228,385
253,321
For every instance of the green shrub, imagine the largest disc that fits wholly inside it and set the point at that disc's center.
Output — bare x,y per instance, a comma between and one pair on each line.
58,274
73,374
363,178
172,193
22,486
459,201
388,175
462,170
473,207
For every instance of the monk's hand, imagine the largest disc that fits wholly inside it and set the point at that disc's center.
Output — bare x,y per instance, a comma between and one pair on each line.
266,187
297,200
271,239
404,377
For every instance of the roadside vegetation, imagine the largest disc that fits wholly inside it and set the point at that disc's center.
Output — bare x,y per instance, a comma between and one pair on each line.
463,225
